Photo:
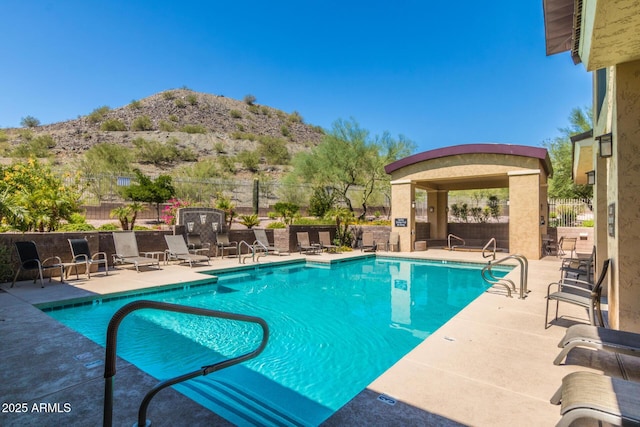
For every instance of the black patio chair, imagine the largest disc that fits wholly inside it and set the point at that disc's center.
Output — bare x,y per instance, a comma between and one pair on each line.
30,260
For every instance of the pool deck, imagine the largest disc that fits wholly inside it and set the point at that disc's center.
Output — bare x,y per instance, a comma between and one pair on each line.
491,365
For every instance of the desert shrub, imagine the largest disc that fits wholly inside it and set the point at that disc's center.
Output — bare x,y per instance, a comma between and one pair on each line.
249,159
249,99
244,135
142,123
168,95
158,153
180,103
36,147
166,126
284,130
29,122
254,109
140,227
235,114
295,117
192,99
240,127
226,165
287,211
274,150
265,111
194,129
98,114
174,118
135,105
112,125
219,147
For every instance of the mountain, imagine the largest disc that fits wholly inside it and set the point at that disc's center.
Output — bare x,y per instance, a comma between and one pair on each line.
206,126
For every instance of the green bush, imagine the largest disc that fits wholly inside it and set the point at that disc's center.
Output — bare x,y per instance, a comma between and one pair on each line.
277,224
235,114
112,125
109,227
249,221
37,147
192,99
76,227
168,95
140,227
587,223
249,159
194,129
98,114
135,105
29,122
274,150
166,126
295,117
174,118
142,123
180,103
284,129
249,99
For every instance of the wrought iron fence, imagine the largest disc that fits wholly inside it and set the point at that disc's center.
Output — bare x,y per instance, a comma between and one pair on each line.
570,212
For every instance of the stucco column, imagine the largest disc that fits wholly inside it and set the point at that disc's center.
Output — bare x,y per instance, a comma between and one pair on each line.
624,190
438,200
403,216
524,213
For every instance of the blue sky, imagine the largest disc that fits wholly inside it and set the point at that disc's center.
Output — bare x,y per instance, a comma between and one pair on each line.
439,74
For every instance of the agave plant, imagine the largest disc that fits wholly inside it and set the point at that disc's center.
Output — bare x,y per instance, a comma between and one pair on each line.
249,221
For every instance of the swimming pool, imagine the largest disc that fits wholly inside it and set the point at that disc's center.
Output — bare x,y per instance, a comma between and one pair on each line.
334,329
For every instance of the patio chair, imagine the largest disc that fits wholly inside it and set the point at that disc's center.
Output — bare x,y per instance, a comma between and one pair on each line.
82,255
196,245
598,338
223,244
368,244
127,251
305,246
263,242
599,397
578,292
579,267
30,260
566,244
178,250
394,241
325,242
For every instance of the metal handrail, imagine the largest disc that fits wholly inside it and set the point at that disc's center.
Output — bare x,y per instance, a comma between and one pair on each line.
493,239
524,271
260,250
493,280
110,357
250,252
453,236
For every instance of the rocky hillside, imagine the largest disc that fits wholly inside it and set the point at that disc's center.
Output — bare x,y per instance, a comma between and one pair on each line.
209,126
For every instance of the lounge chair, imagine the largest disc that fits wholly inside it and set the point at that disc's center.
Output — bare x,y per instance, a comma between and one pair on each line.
223,244
325,242
196,245
82,255
305,246
394,241
595,396
578,292
178,250
127,251
368,244
579,267
30,260
262,242
598,338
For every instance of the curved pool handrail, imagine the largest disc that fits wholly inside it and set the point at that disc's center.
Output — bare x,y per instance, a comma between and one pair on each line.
453,236
493,240
250,252
524,271
110,356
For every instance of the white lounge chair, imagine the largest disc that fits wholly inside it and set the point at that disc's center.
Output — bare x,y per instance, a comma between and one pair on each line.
598,338
127,251
178,251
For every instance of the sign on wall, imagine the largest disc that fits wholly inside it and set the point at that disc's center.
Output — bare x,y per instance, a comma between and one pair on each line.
400,222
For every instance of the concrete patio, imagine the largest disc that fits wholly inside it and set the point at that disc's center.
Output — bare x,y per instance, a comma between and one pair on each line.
491,365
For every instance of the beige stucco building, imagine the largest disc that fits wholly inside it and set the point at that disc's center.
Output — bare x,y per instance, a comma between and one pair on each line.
522,169
604,35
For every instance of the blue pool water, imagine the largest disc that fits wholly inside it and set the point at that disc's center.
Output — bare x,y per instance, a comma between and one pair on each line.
333,331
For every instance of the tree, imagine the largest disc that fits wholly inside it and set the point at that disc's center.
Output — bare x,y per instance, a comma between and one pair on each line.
150,191
560,151
347,158
29,122
224,204
127,214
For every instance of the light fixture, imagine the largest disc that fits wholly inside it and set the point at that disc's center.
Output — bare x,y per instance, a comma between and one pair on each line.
413,204
214,226
591,177
190,226
606,144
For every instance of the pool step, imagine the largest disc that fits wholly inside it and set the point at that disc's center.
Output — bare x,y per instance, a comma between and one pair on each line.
238,405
